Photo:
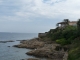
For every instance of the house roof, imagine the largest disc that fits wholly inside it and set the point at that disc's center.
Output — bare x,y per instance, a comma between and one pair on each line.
66,22
62,23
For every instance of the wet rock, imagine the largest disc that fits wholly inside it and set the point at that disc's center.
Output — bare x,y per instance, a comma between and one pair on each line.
3,42
33,59
15,45
6,41
22,59
8,46
10,41
20,46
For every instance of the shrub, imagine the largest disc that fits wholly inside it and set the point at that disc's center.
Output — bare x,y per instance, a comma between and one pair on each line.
61,41
74,52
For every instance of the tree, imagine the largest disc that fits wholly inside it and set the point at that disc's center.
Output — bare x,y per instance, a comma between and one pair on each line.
67,21
78,26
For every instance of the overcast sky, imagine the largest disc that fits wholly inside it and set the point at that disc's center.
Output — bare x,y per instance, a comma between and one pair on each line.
34,16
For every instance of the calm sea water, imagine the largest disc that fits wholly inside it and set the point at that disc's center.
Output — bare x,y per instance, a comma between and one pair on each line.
12,53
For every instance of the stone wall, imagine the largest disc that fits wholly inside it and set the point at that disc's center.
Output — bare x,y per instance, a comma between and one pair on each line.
42,35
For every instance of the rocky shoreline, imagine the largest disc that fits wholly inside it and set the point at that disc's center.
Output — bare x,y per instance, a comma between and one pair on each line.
46,49
6,41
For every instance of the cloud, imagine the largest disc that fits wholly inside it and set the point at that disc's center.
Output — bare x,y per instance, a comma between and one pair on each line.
40,8
42,13
63,8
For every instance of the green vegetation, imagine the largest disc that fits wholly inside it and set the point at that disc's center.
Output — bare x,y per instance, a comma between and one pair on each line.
61,41
64,36
70,35
78,26
74,52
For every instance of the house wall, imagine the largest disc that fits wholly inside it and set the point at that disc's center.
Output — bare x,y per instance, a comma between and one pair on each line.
73,23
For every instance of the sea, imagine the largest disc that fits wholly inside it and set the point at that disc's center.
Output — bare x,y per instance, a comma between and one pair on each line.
13,53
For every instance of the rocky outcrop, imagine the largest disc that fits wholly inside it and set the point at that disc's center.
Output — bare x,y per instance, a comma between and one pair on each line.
32,44
40,52
46,53
41,48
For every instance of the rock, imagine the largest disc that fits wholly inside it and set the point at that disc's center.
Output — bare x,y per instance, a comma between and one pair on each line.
22,59
40,52
10,41
3,42
15,45
8,46
42,49
56,55
6,41
58,48
20,46
54,59
46,53
65,57
31,44
33,59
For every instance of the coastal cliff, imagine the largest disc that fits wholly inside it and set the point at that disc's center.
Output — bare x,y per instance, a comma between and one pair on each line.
61,43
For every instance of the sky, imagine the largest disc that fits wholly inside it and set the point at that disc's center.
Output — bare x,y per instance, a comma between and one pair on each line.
36,16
